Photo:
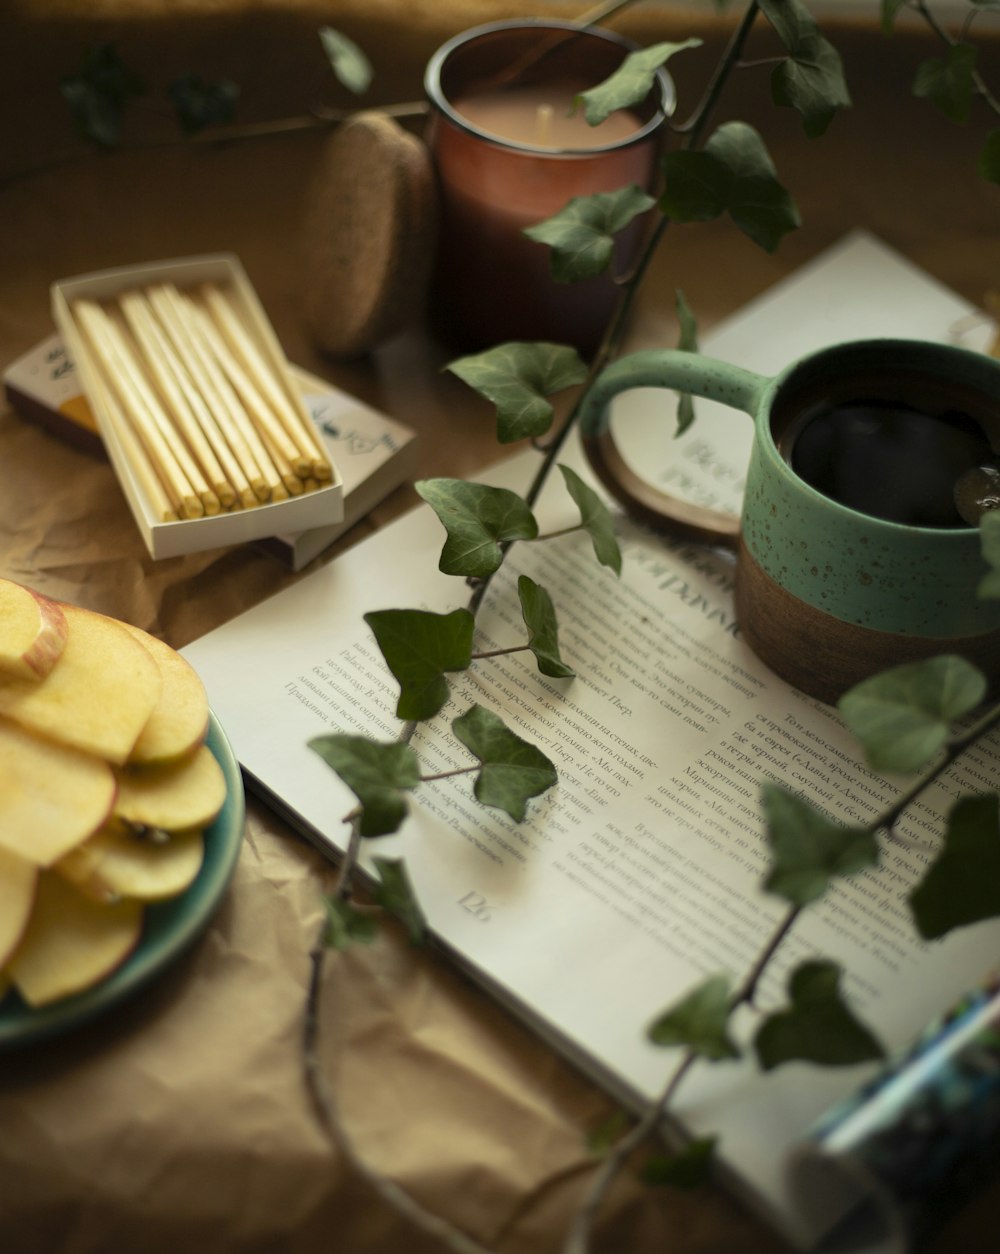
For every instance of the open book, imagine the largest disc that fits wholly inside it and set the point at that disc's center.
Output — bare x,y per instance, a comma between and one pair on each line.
640,873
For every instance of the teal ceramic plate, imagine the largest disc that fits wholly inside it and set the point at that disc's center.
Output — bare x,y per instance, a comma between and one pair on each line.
169,927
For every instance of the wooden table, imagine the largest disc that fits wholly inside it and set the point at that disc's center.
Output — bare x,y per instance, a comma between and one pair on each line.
183,1120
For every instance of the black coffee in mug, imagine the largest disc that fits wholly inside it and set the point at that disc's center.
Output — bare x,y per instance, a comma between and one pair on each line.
827,595
905,450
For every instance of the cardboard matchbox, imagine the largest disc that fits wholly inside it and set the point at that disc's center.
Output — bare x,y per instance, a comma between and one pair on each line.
320,507
374,453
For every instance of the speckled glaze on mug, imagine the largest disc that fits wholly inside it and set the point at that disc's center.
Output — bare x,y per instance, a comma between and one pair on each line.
825,594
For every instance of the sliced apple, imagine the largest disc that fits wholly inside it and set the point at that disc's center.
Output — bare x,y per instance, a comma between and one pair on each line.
115,862
71,943
179,720
52,797
99,696
18,878
32,632
174,796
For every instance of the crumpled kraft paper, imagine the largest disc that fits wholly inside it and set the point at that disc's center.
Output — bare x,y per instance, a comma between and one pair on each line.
184,1117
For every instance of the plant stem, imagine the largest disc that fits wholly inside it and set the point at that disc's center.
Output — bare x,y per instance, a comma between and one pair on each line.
458,770
745,994
696,124
216,136
953,750
614,333
578,1239
977,79
514,648
601,12
327,1111
345,872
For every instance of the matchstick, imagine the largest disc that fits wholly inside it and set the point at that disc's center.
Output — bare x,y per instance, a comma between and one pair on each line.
131,358
104,340
289,476
167,373
184,369
270,428
197,322
157,493
294,418
180,334
224,400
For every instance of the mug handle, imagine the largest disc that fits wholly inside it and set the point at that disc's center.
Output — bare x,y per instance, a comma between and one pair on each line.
684,372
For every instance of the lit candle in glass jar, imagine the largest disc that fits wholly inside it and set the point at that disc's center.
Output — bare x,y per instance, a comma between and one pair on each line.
509,155
540,118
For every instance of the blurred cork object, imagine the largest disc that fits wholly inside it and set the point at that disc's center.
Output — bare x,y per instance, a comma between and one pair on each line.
369,234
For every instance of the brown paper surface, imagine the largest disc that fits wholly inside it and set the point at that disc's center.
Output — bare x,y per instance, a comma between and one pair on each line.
182,1120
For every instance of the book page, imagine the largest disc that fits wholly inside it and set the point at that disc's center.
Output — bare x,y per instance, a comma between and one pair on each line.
641,872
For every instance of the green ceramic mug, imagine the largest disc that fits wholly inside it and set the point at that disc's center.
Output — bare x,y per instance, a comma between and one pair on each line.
853,555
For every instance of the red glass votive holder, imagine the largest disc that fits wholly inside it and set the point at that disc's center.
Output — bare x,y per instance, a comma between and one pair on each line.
508,156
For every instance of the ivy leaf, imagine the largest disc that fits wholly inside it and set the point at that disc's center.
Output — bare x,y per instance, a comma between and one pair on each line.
346,925
733,173
948,82
757,203
687,342
394,893
902,715
807,849
512,770
543,633
631,83
989,524
378,773
517,377
811,79
962,885
581,235
596,520
419,646
98,95
199,104
478,519
989,159
699,1022
601,1139
689,1169
350,66
890,10
697,186
817,1026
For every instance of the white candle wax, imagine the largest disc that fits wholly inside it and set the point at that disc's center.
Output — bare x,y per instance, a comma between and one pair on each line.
543,118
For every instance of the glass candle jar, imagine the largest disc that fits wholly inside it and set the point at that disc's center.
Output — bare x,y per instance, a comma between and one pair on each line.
508,154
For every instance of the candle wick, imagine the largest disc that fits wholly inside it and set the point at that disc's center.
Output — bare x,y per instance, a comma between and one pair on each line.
543,123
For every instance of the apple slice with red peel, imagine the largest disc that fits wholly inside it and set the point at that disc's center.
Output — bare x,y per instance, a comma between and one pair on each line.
115,862
71,943
52,797
99,696
179,720
174,796
32,632
18,879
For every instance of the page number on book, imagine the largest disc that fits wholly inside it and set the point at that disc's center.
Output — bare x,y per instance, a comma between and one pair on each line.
476,905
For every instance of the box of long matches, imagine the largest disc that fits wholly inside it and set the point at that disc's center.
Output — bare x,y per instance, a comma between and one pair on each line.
373,452
196,405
